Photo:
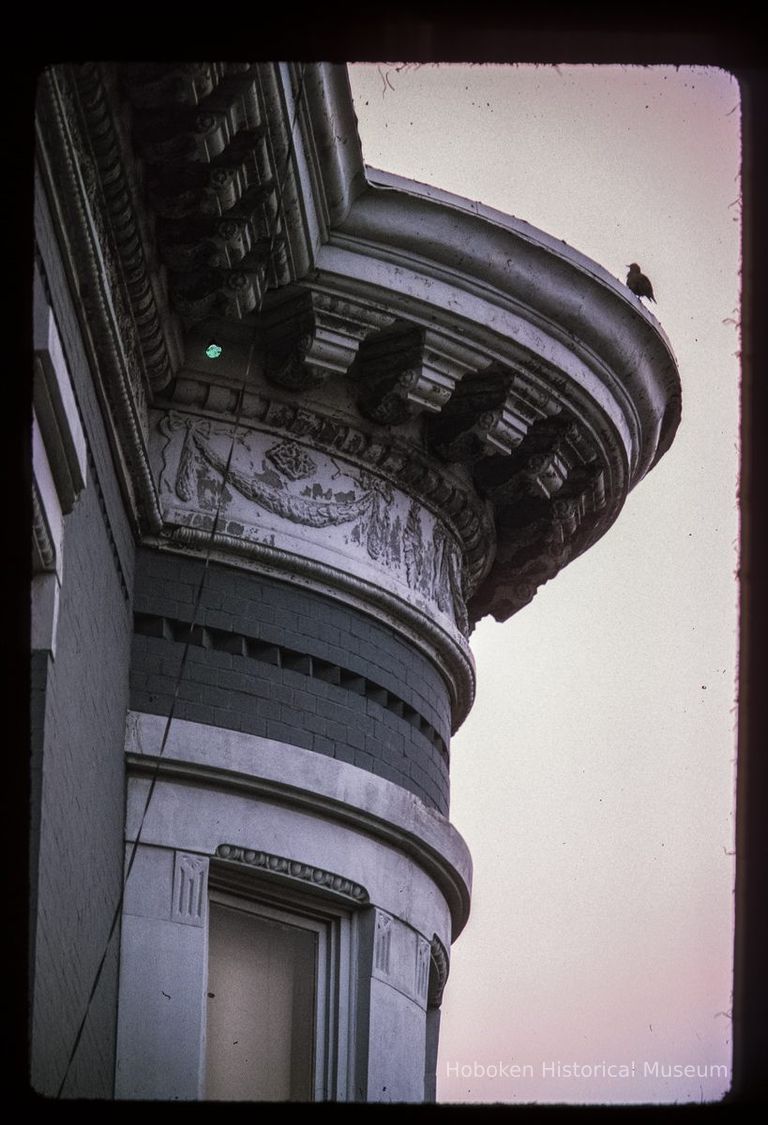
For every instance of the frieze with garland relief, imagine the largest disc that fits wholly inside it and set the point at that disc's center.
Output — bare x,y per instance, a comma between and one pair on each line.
278,492
383,453
547,491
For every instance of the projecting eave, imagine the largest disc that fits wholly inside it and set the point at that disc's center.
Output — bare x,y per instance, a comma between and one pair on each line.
517,293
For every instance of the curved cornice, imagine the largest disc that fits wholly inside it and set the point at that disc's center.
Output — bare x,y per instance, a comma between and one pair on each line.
249,177
502,284
496,279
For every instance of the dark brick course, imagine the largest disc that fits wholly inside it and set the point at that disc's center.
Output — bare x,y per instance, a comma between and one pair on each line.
317,673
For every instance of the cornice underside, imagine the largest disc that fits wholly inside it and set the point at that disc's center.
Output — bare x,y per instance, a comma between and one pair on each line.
465,444
534,443
179,191
216,150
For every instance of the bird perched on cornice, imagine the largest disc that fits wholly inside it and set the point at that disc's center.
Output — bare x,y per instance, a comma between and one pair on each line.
639,283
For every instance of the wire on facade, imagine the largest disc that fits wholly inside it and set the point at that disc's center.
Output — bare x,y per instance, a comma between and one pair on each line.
264,280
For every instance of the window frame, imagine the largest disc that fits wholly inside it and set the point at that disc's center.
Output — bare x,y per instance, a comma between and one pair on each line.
336,978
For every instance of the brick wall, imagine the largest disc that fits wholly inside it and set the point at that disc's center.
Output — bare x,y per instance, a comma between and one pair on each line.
79,702
277,660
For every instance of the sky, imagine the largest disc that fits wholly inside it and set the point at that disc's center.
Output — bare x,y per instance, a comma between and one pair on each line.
594,779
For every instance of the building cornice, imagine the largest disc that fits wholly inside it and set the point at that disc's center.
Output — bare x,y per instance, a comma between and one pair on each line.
209,196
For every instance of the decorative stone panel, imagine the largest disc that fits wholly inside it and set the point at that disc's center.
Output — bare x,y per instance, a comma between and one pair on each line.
288,495
190,889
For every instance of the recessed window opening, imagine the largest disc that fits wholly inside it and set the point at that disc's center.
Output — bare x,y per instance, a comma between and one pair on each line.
275,1011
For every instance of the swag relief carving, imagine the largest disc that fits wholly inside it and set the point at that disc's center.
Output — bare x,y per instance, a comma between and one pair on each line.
265,488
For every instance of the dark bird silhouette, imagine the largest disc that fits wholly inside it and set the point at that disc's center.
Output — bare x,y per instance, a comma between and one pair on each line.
639,283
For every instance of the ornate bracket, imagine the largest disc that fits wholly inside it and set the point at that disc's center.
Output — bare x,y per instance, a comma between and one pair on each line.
439,968
406,370
311,336
539,466
481,418
536,538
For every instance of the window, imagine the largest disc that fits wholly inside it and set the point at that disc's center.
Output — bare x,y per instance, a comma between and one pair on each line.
59,469
278,999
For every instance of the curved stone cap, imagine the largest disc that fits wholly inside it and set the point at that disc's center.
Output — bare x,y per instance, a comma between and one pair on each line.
212,761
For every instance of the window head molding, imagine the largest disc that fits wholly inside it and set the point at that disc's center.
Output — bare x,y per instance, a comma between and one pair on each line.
289,872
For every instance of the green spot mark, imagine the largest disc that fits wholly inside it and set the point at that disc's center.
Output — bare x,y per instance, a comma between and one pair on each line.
213,351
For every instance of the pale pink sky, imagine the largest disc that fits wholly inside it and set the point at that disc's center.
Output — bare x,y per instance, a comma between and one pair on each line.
594,778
